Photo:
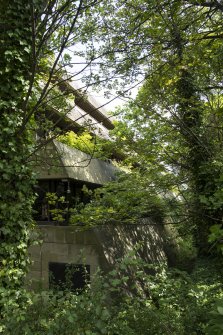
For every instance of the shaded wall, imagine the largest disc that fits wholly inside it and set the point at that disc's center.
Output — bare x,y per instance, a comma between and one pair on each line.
99,247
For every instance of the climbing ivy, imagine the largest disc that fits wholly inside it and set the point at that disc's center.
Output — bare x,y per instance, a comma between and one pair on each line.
16,195
33,38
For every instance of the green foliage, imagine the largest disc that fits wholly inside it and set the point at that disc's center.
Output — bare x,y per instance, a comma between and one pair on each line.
181,250
90,144
154,139
126,200
81,142
128,300
33,39
55,202
174,125
16,182
173,134
215,237
215,325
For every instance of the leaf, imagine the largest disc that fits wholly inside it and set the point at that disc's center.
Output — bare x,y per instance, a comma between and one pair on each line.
220,311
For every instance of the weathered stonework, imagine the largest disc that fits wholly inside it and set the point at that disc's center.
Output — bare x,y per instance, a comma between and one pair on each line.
99,247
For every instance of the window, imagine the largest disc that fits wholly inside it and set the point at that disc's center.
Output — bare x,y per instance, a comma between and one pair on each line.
68,276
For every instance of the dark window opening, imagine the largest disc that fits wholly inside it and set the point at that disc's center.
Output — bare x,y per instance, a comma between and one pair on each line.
70,190
73,277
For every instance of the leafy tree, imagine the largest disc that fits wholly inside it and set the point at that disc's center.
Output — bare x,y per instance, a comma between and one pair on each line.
124,201
161,42
175,46
16,177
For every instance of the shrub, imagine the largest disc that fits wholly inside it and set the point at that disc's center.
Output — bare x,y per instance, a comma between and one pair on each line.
127,301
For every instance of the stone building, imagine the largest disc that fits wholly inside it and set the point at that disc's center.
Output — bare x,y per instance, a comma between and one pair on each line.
64,171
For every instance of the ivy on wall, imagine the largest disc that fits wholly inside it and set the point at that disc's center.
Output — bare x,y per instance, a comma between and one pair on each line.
16,181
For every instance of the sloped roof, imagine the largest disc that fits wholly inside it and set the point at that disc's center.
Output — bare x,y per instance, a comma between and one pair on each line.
58,161
88,104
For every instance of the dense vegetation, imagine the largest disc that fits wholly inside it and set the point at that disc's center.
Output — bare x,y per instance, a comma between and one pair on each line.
170,136
169,302
173,128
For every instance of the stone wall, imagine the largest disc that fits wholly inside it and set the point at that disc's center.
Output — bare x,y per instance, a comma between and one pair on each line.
99,247
62,245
